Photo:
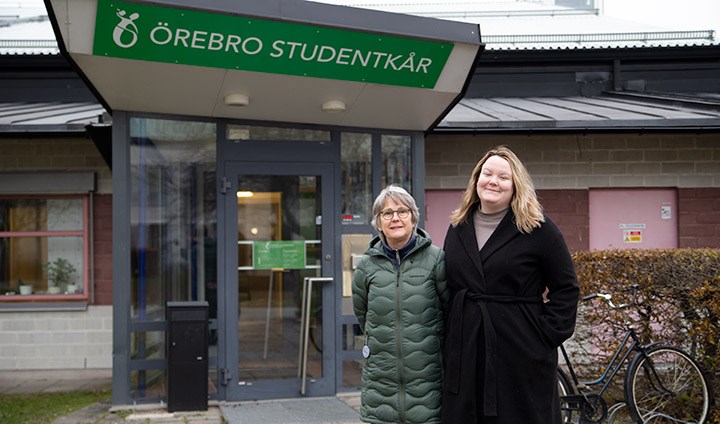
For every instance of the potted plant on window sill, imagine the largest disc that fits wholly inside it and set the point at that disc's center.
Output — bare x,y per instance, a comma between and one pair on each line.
24,288
61,273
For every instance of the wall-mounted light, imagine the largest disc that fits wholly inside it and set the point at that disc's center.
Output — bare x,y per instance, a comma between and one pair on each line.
243,193
237,100
333,106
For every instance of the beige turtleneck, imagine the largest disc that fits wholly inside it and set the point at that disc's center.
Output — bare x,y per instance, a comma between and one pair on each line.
485,224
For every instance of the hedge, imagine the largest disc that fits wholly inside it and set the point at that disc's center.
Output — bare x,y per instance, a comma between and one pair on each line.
678,302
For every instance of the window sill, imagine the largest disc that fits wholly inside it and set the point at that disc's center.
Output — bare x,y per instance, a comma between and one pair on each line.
34,303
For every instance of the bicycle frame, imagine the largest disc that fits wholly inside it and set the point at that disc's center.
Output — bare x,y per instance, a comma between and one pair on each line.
612,368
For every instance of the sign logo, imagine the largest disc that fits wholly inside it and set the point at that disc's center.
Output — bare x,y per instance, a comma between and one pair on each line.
214,40
125,30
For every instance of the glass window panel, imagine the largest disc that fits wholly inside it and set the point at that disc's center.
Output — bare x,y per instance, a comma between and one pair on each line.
352,337
147,384
254,132
173,214
42,264
23,215
347,306
396,157
352,372
277,208
214,378
64,214
32,261
147,345
356,157
353,247
64,270
41,214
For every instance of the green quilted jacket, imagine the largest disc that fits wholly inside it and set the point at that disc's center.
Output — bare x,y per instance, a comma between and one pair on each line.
401,312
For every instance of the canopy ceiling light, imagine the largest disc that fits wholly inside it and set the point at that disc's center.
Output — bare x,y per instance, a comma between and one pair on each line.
332,106
237,100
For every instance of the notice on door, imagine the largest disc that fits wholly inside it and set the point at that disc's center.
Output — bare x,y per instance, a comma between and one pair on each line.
286,254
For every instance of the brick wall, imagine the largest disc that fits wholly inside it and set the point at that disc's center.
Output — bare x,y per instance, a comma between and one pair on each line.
102,249
56,340
699,217
55,155
569,210
583,161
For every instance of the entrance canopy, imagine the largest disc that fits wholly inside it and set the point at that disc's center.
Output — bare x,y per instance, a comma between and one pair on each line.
275,60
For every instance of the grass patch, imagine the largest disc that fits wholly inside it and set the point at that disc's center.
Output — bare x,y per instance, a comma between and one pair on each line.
43,408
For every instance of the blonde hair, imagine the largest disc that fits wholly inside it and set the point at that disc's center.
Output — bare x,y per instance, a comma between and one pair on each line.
524,203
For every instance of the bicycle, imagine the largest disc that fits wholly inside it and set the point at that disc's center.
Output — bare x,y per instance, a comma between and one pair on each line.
663,383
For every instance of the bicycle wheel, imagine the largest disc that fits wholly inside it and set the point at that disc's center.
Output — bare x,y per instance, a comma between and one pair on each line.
618,414
666,386
564,389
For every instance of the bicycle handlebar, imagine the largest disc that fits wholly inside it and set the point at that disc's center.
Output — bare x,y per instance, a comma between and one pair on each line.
592,296
608,298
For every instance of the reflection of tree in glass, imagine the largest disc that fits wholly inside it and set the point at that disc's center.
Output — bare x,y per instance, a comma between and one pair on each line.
396,161
356,154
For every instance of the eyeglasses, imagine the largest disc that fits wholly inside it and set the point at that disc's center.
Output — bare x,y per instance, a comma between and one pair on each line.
388,214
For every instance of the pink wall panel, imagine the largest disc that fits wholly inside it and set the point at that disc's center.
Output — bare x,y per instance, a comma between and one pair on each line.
440,203
633,219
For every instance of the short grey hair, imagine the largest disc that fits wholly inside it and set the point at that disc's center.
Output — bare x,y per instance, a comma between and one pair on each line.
399,195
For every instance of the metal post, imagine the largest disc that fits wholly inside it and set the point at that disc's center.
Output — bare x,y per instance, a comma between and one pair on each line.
305,326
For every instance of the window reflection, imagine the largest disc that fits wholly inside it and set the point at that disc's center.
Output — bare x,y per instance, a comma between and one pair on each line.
396,159
356,154
173,214
254,132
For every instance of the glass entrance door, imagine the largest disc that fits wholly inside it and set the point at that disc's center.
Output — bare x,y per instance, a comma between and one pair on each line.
279,290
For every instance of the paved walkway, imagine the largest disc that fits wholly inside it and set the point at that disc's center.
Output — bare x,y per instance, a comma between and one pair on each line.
50,381
331,410
301,411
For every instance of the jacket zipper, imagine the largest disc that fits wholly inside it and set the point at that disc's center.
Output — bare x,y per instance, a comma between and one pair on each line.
398,342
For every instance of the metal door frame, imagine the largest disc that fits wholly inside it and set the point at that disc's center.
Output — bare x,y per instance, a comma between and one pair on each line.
228,347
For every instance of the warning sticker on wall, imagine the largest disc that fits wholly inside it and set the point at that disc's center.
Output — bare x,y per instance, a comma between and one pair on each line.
632,236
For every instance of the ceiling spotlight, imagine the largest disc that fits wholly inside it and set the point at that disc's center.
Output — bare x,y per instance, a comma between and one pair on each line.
237,100
332,106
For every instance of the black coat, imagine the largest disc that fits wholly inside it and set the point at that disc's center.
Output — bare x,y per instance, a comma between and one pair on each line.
501,342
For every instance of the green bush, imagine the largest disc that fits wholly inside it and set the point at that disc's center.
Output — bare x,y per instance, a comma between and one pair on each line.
678,302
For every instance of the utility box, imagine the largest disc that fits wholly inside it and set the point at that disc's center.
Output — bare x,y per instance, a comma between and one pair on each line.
187,353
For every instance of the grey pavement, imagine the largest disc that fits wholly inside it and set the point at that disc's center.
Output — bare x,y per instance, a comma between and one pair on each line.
329,410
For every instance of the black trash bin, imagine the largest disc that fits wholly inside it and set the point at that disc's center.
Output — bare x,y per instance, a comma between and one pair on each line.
187,353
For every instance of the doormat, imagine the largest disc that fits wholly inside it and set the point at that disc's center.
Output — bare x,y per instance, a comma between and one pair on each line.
329,410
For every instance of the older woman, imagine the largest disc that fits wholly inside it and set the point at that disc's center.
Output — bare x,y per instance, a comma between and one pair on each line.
502,255
399,294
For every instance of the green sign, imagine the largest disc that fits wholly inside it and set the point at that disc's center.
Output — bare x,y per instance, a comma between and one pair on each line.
191,37
287,254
